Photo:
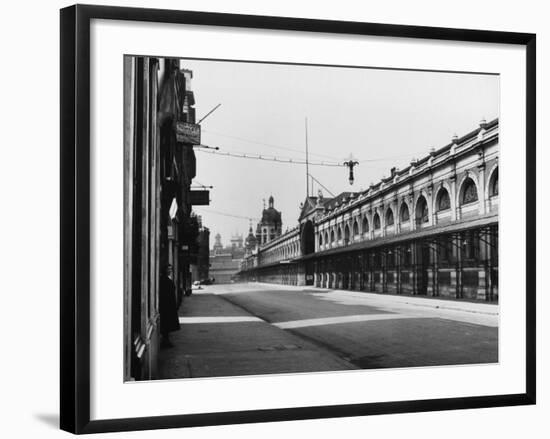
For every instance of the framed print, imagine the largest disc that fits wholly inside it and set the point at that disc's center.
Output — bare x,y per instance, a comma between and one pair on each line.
275,218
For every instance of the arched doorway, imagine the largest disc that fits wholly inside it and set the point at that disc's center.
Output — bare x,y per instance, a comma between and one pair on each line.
308,238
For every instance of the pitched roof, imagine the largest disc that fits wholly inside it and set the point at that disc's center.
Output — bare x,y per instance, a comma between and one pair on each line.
311,203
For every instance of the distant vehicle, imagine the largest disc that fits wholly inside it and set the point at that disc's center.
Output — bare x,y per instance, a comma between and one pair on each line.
206,282
196,285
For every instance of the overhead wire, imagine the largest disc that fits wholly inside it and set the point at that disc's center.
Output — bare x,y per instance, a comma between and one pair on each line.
269,145
287,160
217,212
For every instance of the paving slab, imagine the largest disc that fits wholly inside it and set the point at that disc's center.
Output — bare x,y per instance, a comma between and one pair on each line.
209,344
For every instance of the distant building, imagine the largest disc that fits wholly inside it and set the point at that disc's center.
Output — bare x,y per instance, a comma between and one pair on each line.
218,247
271,225
225,262
199,253
236,241
251,241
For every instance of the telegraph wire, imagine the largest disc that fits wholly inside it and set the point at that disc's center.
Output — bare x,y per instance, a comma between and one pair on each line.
287,160
217,212
270,145
282,159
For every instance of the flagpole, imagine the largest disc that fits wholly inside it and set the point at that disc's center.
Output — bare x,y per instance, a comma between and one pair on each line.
307,165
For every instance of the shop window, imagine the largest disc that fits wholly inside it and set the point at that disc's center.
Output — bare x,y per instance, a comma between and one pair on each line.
470,245
377,259
445,249
407,255
390,258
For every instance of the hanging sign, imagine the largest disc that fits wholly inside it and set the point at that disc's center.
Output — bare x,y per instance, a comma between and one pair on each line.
188,133
200,198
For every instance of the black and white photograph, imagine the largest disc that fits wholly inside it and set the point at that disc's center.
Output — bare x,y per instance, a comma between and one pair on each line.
275,219
288,218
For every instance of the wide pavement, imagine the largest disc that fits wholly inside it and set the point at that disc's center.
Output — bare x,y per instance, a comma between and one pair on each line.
243,329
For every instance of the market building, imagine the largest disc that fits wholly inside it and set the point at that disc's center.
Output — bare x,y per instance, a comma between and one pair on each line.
430,229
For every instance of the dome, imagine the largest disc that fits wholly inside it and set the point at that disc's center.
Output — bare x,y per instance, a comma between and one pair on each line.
271,216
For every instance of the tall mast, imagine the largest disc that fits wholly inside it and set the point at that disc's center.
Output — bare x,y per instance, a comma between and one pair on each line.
307,165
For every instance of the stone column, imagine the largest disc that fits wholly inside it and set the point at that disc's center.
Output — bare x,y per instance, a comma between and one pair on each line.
481,189
454,203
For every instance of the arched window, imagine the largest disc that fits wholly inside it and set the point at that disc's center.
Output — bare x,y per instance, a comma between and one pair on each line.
320,239
376,221
493,185
346,235
332,236
422,215
365,224
339,233
443,200
469,192
389,217
326,238
355,228
404,212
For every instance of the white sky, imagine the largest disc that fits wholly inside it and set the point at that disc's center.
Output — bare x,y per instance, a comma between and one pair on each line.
389,116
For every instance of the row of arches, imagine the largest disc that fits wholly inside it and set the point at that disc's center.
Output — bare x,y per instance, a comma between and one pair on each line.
289,250
467,195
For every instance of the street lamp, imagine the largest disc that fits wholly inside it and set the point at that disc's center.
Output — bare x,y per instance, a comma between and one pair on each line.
351,163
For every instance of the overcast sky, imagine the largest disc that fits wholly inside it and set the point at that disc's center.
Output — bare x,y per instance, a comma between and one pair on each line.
387,116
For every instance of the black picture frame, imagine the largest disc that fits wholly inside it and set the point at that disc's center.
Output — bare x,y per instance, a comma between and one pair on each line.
75,217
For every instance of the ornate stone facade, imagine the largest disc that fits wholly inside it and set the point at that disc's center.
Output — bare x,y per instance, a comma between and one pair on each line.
429,229
270,226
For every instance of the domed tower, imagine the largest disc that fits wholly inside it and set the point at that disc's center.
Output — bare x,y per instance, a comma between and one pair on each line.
250,241
271,225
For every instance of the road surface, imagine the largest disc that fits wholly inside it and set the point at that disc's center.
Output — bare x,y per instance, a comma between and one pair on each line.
242,329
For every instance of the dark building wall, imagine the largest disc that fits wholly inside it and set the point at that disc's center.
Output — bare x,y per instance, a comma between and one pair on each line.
158,170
